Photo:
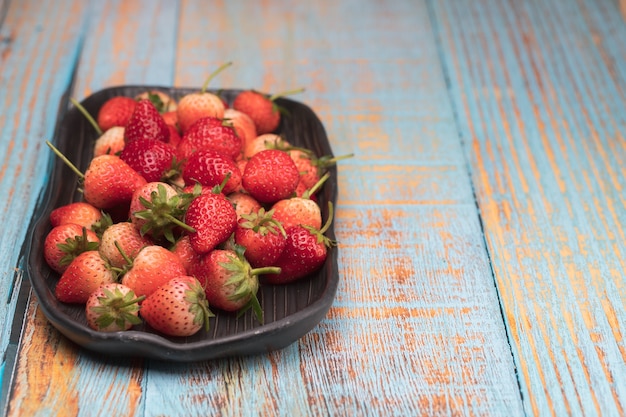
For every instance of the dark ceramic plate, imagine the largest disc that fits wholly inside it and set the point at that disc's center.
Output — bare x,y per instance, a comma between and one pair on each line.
290,310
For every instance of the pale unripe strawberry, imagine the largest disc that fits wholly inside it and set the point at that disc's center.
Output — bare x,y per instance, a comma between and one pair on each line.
112,307
177,308
264,142
242,123
111,142
152,267
194,106
83,276
129,240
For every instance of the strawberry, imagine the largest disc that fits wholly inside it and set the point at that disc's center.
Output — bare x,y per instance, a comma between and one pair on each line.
185,252
178,308
230,283
116,111
194,106
153,159
244,203
312,168
263,142
163,102
109,182
65,242
152,267
300,210
157,210
305,252
261,108
146,123
210,168
175,137
270,175
263,237
213,218
110,142
80,213
87,272
112,307
210,133
171,119
127,237
242,123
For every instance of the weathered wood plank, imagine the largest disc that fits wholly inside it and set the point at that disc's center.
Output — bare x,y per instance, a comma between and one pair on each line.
539,88
125,43
416,326
38,50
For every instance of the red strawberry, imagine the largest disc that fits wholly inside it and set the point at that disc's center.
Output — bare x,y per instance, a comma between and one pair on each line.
270,175
110,182
178,308
87,272
146,123
65,242
210,168
261,108
213,218
116,111
300,210
157,210
110,142
194,106
185,252
263,237
305,252
210,133
81,213
242,123
175,137
152,267
230,283
153,159
244,203
112,307
129,240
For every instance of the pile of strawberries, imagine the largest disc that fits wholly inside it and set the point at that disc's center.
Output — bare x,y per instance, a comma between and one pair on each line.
188,206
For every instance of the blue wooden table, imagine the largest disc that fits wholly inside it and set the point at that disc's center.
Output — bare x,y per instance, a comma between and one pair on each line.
481,223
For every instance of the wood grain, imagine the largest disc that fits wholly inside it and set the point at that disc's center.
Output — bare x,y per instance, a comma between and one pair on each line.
480,223
34,38
542,116
55,377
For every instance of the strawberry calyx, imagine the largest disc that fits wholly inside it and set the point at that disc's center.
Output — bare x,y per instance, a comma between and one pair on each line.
319,234
74,246
117,307
101,225
262,222
163,214
245,280
159,104
198,305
